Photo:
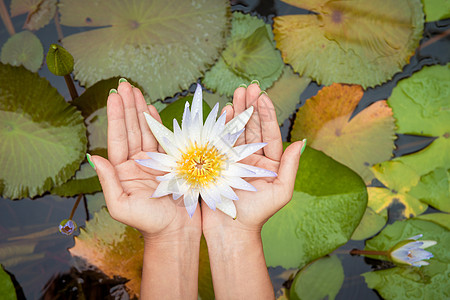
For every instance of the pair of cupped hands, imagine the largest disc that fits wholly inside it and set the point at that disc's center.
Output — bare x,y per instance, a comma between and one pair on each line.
128,186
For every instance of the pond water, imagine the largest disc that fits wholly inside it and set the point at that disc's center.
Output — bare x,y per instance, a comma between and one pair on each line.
35,254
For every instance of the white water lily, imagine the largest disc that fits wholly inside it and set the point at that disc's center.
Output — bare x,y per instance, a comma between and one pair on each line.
411,251
201,158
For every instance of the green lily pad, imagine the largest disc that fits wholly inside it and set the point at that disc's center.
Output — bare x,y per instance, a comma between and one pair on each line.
405,282
43,137
95,202
398,179
175,111
25,49
328,203
421,106
7,289
250,54
442,219
434,189
85,181
285,93
358,42
436,10
370,224
212,98
162,45
205,284
357,142
59,61
322,279
40,12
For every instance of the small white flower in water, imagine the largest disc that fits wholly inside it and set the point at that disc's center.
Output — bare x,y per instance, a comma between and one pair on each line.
201,158
67,227
411,251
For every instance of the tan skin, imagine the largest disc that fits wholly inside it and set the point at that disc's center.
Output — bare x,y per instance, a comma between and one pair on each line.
171,237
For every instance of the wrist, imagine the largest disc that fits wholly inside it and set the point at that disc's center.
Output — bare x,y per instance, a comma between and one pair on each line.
186,235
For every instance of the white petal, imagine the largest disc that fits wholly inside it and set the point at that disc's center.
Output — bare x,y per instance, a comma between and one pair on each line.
240,152
211,196
239,122
259,172
168,176
178,186
178,137
197,105
191,201
416,237
161,190
226,190
420,263
186,121
159,130
195,131
209,123
233,169
239,183
218,127
226,143
171,149
162,158
151,163
227,206
427,244
176,196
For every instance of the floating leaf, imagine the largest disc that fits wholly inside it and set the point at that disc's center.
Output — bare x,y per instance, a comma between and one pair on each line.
40,12
213,98
285,93
7,289
438,218
59,61
398,179
95,202
364,140
250,54
25,49
85,181
405,282
162,45
328,203
362,42
370,224
175,111
436,10
434,189
43,137
322,279
114,248
421,106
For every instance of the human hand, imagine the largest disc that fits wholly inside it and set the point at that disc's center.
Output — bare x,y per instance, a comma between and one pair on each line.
128,186
255,208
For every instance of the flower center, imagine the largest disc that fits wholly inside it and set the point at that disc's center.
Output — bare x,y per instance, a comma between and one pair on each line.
201,165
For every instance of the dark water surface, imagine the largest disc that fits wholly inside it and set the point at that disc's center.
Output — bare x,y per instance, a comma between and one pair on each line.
35,253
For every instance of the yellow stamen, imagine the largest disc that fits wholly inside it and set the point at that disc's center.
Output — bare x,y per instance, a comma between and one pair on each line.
200,165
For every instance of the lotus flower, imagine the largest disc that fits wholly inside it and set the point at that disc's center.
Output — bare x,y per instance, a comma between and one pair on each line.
411,251
201,158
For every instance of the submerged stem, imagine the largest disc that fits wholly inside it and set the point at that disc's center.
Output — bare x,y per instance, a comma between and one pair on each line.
6,18
71,86
75,206
368,252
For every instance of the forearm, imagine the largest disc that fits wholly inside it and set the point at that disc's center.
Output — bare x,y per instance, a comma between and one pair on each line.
238,265
170,269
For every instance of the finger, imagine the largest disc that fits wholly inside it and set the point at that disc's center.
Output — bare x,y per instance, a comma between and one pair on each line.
154,113
269,128
112,188
149,143
287,173
131,119
239,107
230,112
117,130
253,129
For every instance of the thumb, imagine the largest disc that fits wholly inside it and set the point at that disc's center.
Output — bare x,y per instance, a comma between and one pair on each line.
288,169
112,188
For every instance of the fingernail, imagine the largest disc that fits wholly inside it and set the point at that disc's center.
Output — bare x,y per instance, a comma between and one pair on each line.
303,147
122,80
255,81
243,85
88,156
229,103
112,91
132,86
263,92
